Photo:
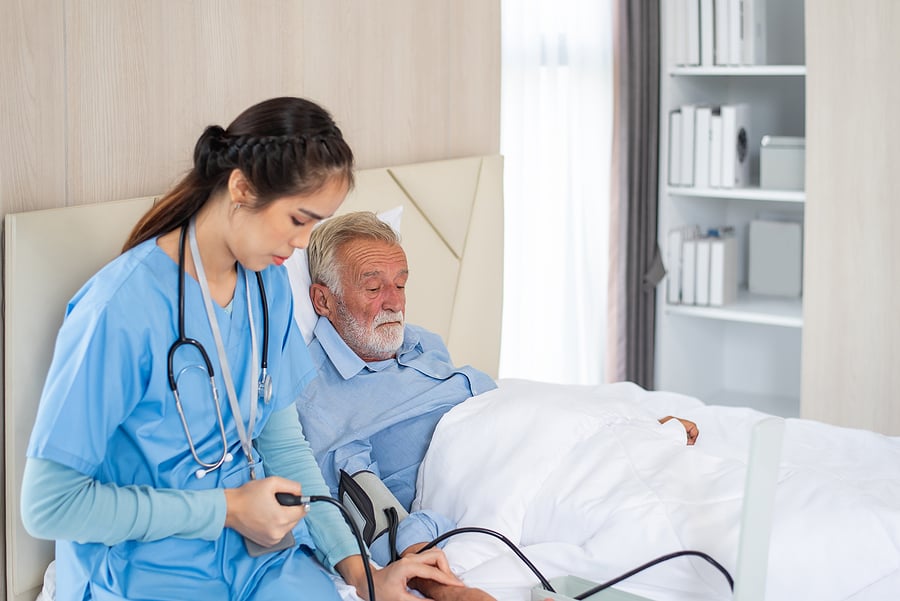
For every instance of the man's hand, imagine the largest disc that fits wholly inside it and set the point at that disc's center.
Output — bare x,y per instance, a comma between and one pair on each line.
689,427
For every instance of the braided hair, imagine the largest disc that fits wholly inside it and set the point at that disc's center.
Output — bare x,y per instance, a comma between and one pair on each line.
283,146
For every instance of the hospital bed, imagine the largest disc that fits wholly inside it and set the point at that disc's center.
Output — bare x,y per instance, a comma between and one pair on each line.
582,478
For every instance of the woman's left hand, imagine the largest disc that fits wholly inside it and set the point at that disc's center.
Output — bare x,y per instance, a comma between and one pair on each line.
391,582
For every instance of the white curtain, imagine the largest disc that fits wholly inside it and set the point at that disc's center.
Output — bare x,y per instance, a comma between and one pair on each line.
556,135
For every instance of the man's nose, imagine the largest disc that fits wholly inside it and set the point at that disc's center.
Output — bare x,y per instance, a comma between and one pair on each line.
394,299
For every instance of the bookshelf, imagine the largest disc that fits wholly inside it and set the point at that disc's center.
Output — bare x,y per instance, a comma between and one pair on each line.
746,352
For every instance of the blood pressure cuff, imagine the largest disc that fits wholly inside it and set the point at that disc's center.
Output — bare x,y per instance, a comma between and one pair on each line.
374,509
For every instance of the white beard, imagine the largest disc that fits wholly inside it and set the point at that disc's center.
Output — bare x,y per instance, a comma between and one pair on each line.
371,340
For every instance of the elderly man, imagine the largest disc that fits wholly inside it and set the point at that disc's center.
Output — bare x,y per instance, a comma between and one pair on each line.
383,384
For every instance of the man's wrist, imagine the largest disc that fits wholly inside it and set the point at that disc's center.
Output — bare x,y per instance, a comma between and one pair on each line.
413,549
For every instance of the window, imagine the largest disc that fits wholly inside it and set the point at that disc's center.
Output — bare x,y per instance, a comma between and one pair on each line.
556,135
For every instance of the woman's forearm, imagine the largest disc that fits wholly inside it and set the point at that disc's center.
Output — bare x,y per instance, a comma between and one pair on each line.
61,503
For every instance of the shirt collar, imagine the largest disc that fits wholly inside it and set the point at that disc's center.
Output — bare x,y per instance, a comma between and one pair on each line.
345,359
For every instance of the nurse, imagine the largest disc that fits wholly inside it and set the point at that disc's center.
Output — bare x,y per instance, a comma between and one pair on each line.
155,465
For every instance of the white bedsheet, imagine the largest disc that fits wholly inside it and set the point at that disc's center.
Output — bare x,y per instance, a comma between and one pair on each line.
586,482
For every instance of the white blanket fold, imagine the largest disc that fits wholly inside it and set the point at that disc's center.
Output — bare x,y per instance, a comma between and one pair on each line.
586,481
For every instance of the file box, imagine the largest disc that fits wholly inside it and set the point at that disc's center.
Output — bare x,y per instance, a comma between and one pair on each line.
776,258
782,162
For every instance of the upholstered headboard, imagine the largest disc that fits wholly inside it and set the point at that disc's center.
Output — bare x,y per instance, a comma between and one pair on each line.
451,229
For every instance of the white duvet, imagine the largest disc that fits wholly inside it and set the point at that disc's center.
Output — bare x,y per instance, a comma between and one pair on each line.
586,482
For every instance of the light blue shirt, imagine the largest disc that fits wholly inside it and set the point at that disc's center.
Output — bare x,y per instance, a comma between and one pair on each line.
380,416
107,423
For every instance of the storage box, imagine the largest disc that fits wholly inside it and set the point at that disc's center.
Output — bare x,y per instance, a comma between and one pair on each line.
782,161
776,258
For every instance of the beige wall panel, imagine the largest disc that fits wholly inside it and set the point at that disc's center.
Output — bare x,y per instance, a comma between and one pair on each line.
408,81
473,78
145,78
32,119
32,122
851,332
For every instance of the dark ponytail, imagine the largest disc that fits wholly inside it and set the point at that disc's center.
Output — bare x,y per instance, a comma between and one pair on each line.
283,146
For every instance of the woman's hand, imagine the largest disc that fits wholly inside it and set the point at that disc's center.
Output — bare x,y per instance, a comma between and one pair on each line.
391,582
253,510
689,427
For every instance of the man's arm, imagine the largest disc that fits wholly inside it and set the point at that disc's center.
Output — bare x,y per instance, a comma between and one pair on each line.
413,534
419,528
690,428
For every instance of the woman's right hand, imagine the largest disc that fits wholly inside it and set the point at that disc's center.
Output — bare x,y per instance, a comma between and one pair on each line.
253,510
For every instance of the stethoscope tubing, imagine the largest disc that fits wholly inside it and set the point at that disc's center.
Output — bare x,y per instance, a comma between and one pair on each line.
264,385
182,339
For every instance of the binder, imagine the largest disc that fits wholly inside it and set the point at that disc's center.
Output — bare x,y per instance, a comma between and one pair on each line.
675,147
707,33
673,266
735,146
688,271
702,146
688,113
753,33
692,30
715,148
677,32
701,278
722,53
734,32
723,266
674,260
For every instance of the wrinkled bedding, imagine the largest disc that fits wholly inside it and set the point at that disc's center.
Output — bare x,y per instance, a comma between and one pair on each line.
586,482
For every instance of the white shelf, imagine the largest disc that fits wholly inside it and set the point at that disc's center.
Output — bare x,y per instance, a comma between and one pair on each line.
751,70
749,308
751,193
780,405
747,353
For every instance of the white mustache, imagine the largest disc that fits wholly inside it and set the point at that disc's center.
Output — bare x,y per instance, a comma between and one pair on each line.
387,317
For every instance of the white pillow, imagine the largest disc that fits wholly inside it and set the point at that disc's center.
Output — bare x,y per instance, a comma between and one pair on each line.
298,274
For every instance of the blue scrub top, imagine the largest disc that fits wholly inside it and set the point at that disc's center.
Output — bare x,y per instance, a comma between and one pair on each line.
107,411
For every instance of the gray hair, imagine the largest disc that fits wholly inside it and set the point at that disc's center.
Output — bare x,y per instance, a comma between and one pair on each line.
328,238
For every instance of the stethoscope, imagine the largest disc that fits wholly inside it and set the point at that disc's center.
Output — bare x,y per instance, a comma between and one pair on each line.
264,387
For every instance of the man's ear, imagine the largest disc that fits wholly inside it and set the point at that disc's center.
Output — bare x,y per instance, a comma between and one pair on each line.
322,299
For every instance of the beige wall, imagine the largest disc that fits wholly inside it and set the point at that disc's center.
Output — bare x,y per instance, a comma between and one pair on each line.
104,99
851,329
